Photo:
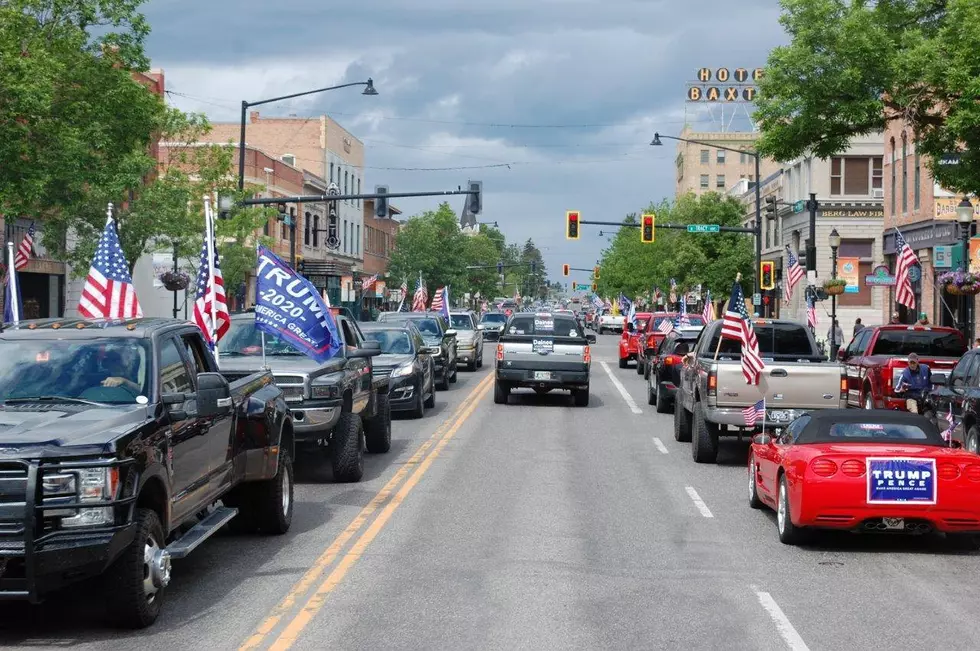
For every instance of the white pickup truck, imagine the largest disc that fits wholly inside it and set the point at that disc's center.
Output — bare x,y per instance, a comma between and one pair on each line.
609,322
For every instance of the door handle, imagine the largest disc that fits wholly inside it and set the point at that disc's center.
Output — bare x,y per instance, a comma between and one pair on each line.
223,402
779,373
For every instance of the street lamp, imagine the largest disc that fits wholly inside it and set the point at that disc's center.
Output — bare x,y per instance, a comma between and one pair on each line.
964,215
758,196
368,90
834,245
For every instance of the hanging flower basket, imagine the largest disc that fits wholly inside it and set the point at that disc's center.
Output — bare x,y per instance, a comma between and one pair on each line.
175,281
960,283
835,286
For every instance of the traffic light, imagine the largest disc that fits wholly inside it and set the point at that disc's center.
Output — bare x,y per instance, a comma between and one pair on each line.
771,207
564,270
381,203
648,229
595,287
595,273
475,198
571,225
767,274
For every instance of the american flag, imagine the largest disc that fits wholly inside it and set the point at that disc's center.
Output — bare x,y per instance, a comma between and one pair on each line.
794,274
683,320
737,326
211,290
666,325
25,249
108,292
369,282
906,260
811,311
947,433
755,413
421,297
708,313
437,300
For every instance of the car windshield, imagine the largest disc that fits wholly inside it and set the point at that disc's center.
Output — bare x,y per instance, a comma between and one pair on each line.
461,321
243,338
544,324
494,318
428,327
786,339
928,343
107,370
877,432
393,342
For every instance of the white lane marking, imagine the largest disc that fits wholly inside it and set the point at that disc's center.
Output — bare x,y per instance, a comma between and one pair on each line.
698,502
622,390
786,630
657,443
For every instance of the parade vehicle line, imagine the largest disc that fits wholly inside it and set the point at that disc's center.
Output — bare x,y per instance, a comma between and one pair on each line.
419,461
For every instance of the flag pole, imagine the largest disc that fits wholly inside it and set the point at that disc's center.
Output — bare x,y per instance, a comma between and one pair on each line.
212,288
12,284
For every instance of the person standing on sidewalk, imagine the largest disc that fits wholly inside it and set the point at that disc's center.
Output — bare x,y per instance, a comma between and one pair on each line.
858,326
836,337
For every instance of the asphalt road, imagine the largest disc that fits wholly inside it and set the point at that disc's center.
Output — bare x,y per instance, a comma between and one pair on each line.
538,525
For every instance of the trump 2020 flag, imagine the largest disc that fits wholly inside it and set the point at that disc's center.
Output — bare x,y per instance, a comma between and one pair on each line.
289,306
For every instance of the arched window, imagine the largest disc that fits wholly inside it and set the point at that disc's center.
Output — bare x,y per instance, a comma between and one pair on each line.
306,229
316,231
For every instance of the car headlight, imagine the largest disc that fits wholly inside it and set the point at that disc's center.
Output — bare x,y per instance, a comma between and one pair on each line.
83,485
329,389
403,370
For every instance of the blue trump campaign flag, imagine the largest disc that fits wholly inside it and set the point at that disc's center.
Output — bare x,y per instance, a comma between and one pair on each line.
289,306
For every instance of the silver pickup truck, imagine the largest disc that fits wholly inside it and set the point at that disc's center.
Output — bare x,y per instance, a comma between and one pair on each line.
713,394
543,351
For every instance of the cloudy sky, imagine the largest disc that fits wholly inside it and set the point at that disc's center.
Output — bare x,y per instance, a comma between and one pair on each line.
551,103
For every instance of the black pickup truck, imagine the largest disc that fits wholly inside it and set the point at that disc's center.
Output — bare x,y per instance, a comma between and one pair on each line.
118,439
341,405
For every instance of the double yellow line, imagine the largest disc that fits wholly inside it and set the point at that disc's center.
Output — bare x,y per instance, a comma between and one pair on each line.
420,462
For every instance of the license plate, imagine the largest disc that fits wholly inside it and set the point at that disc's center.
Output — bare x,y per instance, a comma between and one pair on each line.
778,416
894,523
542,375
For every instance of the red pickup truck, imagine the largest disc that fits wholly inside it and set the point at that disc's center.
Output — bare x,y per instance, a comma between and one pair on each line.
629,348
876,357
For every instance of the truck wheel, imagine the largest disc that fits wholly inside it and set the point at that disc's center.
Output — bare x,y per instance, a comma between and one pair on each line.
581,397
418,409
136,582
377,431
682,424
663,402
346,455
704,439
444,382
868,401
479,358
789,533
453,377
430,402
651,394
972,441
754,501
622,363
639,366
270,505
500,393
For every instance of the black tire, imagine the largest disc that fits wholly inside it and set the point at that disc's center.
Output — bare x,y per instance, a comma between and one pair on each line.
971,442
479,358
269,507
418,409
639,367
500,393
471,367
581,397
346,452
682,424
623,363
704,438
377,430
454,376
789,533
129,605
430,402
664,403
646,369
444,382
754,501
651,394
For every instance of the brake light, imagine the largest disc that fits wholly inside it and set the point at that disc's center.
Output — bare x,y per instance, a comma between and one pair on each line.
712,383
587,355
670,360
843,385
972,472
823,467
852,468
500,352
948,471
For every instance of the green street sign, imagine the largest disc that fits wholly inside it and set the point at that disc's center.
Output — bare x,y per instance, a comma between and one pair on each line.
582,287
798,206
703,228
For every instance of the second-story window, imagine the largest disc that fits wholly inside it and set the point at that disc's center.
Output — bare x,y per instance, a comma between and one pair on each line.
851,175
306,229
704,181
720,181
345,236
721,156
705,156
316,231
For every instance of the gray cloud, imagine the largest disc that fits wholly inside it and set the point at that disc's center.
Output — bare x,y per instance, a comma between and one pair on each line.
461,81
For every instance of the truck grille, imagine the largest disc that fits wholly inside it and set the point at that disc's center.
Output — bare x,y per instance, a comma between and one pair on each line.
13,502
293,387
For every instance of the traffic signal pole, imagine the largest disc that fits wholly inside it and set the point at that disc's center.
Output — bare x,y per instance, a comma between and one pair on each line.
680,227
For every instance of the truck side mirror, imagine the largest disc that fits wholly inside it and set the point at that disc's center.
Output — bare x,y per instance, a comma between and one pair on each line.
590,338
213,395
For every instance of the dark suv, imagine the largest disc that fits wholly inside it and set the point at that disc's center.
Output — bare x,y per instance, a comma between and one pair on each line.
664,376
439,339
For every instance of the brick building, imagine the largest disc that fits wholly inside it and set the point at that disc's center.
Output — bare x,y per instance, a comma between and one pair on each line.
925,213
702,168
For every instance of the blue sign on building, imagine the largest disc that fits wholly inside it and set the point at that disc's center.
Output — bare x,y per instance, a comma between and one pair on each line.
899,480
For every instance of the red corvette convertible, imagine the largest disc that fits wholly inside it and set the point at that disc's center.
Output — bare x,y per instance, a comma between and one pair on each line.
629,348
865,471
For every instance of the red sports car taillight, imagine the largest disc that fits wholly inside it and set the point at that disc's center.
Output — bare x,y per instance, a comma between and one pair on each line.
948,471
972,472
852,468
823,467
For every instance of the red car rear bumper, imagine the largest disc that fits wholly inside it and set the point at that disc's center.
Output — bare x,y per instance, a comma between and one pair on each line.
961,518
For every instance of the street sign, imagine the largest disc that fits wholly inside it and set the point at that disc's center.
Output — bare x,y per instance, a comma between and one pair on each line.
756,299
799,206
703,228
582,287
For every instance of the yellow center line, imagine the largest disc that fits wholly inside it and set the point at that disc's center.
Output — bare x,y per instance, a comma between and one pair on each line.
330,554
318,598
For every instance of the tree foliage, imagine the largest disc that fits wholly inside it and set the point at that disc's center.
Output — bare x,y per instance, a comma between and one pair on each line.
711,260
73,122
853,66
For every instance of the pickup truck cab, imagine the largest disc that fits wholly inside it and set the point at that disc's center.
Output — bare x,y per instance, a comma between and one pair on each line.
876,357
713,394
118,440
340,405
629,348
609,321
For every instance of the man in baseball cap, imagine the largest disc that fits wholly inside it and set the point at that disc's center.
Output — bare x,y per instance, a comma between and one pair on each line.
915,381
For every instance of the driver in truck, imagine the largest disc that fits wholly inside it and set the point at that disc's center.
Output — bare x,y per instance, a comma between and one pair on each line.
119,371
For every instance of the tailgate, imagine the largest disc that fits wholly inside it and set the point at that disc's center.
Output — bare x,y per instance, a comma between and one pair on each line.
536,350
787,385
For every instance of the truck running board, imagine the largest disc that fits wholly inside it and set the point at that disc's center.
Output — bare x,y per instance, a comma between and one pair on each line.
201,532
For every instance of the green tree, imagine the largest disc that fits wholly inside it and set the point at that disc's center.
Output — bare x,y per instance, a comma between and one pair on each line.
480,250
73,122
854,66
